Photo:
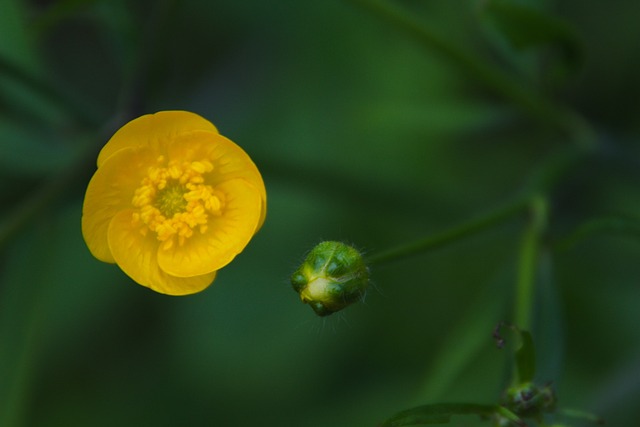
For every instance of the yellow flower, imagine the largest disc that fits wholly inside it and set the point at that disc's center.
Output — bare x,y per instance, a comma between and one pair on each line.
172,202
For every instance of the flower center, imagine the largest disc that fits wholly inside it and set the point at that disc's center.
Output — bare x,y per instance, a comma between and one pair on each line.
173,201
170,200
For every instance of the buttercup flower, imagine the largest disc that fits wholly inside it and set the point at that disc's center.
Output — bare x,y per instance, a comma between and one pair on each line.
172,202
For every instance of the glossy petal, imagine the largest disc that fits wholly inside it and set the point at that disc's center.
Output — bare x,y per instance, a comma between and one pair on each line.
229,160
153,130
110,191
136,255
226,235
135,159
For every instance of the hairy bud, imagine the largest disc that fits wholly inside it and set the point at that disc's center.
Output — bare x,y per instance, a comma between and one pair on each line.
332,277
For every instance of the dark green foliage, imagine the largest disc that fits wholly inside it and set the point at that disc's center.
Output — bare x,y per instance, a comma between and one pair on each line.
364,134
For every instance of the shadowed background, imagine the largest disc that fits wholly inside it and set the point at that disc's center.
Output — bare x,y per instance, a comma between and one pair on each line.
362,135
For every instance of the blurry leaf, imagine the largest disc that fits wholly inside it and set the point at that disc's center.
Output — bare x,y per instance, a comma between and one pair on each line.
20,74
550,331
80,291
15,43
467,338
20,318
526,27
619,225
58,11
438,413
435,117
29,96
26,151
121,33
526,358
581,415
52,295
27,89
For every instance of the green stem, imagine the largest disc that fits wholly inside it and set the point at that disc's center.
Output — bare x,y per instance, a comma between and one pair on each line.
581,415
450,235
507,414
529,251
526,98
615,225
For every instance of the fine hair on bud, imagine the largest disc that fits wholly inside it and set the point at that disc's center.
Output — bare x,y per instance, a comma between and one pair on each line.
332,277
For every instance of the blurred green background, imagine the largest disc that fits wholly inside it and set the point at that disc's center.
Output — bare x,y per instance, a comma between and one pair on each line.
362,135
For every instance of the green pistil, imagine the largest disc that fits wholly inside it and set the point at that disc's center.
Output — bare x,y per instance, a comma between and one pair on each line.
170,200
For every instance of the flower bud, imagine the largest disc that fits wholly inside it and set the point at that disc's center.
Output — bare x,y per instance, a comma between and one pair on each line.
529,400
332,277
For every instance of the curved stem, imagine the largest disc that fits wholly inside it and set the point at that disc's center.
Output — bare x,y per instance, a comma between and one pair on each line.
529,250
526,98
620,225
450,235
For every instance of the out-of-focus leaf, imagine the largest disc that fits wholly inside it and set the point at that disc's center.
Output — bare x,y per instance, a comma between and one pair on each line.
438,117
15,43
620,225
19,66
526,358
550,329
58,11
31,152
582,416
467,338
30,90
53,295
80,291
438,413
21,76
20,308
526,27
29,96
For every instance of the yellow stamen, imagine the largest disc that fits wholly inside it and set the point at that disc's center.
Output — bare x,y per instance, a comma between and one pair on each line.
173,201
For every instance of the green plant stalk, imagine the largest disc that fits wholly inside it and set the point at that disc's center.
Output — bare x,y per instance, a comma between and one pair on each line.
507,414
529,251
14,408
450,235
22,313
623,226
526,98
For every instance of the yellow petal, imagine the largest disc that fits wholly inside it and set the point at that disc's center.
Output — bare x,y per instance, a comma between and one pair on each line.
229,161
153,129
225,237
136,256
263,213
110,191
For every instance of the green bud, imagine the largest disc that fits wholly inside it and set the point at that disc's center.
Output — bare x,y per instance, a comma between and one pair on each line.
332,277
528,400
